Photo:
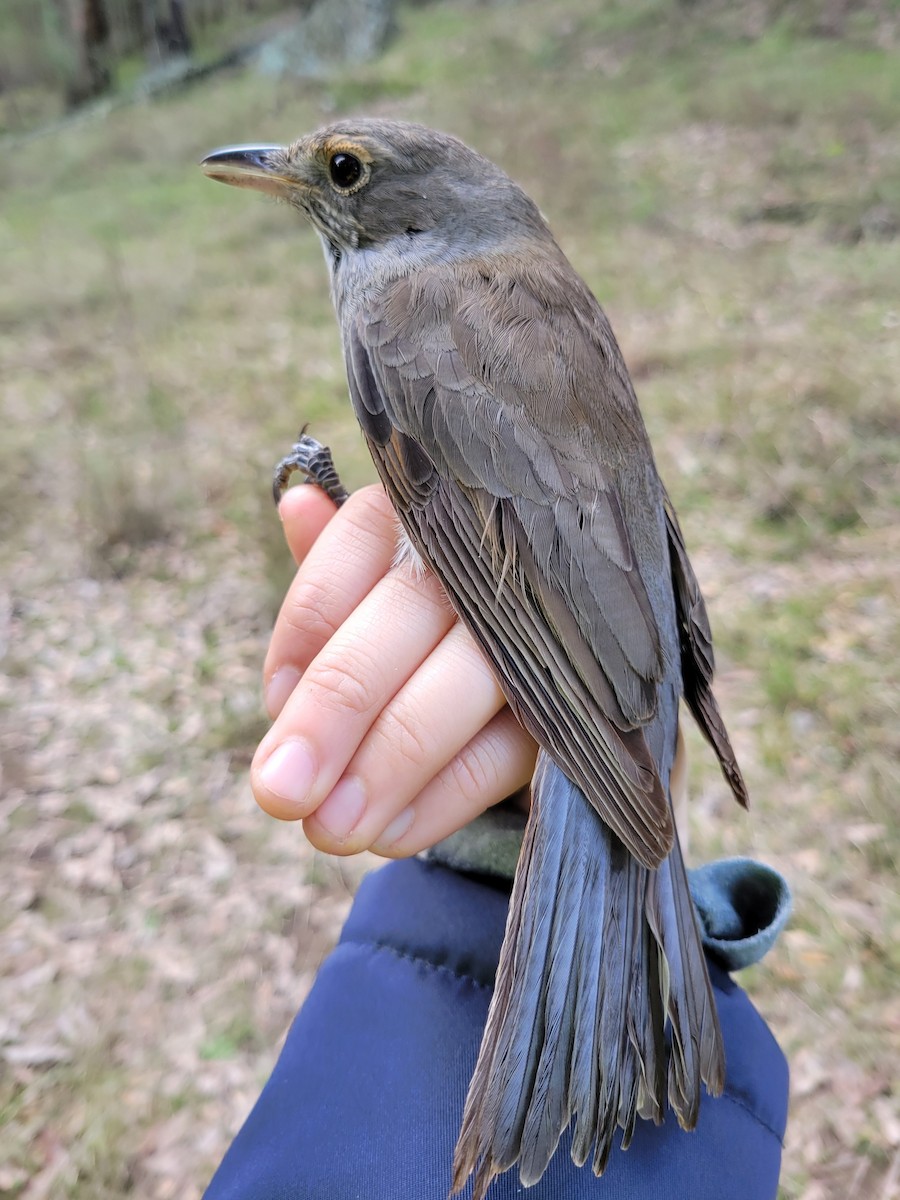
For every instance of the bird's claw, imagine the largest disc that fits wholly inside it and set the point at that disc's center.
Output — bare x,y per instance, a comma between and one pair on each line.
314,461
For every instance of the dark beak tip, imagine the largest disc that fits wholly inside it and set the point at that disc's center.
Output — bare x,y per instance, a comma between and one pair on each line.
237,158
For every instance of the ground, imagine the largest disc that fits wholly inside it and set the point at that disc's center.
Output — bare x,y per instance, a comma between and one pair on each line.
730,188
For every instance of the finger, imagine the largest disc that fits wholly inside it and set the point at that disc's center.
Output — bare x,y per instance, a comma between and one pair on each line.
498,762
380,644
431,718
352,552
304,512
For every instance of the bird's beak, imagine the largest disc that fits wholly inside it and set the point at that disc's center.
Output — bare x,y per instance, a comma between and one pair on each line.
259,167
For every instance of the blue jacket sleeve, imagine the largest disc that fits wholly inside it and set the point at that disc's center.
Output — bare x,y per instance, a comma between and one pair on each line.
367,1095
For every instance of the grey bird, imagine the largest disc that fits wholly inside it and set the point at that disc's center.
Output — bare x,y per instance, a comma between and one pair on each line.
502,420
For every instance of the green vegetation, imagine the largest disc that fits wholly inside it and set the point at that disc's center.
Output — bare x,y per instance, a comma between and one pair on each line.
730,188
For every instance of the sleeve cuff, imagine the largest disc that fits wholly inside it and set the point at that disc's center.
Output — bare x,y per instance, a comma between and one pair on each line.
743,905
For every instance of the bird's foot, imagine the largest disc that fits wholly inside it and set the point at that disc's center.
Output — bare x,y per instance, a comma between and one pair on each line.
314,461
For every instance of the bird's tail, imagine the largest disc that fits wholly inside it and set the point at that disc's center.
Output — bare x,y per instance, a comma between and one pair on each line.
599,951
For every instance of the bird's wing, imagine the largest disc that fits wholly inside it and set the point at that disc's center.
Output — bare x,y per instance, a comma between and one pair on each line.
473,417
697,663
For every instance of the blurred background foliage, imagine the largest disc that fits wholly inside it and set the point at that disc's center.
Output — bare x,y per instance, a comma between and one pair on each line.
81,49
727,178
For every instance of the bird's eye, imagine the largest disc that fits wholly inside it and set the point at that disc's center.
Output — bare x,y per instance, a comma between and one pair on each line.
345,170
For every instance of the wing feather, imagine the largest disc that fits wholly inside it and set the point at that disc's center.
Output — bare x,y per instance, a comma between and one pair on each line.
522,523
697,657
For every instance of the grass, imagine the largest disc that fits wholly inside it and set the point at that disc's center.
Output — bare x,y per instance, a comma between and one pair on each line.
728,189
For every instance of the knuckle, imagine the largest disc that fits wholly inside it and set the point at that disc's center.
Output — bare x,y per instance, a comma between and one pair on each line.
344,684
473,771
402,732
307,612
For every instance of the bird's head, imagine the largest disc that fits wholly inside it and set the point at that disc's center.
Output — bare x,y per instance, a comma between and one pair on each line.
369,183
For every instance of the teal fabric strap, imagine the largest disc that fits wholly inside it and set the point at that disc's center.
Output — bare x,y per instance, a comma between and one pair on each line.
743,905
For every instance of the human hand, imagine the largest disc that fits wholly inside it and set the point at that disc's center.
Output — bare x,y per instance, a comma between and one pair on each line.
390,731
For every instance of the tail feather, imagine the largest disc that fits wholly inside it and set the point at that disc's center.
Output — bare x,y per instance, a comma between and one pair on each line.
584,1090
599,952
618,965
504,1075
695,1041
646,1018
547,1112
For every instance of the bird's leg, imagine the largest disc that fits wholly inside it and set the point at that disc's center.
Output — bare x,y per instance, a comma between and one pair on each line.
314,461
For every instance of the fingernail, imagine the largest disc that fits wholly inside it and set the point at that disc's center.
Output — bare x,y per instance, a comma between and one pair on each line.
289,771
340,812
279,688
395,831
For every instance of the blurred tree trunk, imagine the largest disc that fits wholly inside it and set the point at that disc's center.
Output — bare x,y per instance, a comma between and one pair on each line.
172,32
142,21
91,75
164,28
